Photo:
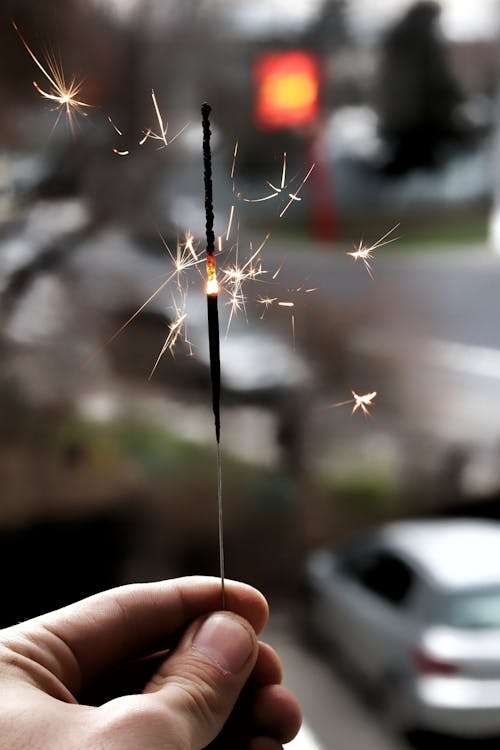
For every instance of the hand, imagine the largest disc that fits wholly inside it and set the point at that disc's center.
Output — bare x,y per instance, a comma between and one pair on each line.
146,667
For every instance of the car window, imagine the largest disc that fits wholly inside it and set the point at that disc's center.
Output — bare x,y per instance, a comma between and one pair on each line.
382,573
474,609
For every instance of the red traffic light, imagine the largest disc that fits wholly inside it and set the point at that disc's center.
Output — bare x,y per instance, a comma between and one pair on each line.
287,89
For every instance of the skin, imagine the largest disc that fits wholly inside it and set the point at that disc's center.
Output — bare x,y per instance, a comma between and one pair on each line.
146,666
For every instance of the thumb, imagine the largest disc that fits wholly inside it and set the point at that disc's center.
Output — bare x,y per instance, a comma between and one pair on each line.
199,684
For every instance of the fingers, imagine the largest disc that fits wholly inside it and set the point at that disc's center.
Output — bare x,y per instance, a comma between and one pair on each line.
131,676
277,713
267,669
198,685
264,710
206,693
265,743
273,709
130,621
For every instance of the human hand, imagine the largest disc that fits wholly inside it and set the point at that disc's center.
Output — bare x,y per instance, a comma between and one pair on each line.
146,667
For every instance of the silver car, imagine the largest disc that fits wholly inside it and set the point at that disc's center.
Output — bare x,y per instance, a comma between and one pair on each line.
413,608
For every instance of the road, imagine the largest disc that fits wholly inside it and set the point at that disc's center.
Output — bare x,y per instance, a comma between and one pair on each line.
333,713
423,332
453,293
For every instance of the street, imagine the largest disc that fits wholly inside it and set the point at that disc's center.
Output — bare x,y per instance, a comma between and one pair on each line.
423,333
331,710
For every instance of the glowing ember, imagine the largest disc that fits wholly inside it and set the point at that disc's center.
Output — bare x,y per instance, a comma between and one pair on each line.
212,283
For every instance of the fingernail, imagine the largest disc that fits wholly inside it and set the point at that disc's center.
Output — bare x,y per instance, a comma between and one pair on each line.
225,641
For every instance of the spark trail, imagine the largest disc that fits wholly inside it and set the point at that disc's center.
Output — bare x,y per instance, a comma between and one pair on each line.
62,94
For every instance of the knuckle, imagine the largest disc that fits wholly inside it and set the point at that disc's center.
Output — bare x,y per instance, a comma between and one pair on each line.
128,723
198,696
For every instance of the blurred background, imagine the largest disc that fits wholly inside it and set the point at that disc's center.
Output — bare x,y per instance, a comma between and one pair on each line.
108,475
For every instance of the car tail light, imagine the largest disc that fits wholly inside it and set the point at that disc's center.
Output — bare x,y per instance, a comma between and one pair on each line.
428,664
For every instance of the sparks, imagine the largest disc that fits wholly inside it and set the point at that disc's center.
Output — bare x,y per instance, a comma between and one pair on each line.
114,126
145,137
362,402
267,302
295,196
235,276
235,154
118,151
278,271
175,329
365,252
185,257
64,95
163,128
278,190
230,222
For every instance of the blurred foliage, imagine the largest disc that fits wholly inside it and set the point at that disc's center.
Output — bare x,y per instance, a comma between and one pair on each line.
362,492
166,455
445,230
179,490
159,453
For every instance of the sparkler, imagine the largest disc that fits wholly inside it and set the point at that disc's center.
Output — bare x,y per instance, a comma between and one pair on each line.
64,95
212,290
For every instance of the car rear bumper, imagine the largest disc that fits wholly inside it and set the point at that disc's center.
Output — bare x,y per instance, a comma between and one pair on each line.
462,707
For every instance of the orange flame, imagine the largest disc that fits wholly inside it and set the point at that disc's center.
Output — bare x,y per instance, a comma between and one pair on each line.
212,283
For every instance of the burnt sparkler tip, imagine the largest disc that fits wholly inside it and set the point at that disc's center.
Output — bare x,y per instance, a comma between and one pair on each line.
207,174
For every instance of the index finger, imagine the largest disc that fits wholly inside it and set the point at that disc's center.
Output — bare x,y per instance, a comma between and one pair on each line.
129,621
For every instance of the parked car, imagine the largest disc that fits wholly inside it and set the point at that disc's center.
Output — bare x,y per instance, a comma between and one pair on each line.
413,609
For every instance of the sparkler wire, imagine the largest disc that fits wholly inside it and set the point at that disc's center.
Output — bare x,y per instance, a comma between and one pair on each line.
213,322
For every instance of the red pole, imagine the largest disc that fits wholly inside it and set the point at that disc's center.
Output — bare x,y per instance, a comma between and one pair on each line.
324,218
